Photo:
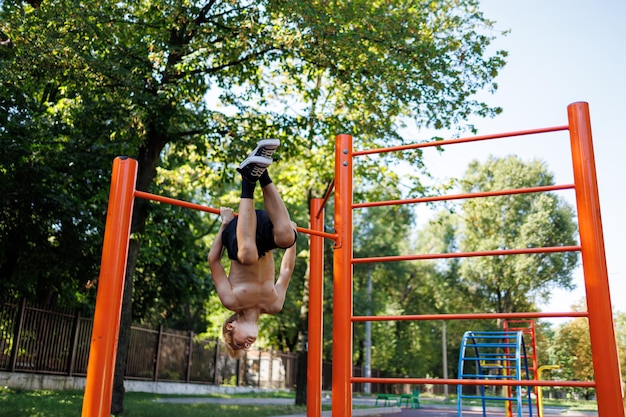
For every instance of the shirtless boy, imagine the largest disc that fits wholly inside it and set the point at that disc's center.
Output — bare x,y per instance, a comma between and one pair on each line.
249,289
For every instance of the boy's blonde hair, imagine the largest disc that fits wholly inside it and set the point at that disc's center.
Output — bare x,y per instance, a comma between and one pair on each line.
227,335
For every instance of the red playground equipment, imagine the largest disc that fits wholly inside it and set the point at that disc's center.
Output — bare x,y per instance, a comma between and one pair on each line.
607,383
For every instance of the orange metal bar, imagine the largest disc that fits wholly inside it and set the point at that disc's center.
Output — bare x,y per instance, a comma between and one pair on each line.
106,324
342,295
316,303
464,196
603,343
327,194
175,202
522,383
186,204
332,236
497,252
460,140
472,316
529,331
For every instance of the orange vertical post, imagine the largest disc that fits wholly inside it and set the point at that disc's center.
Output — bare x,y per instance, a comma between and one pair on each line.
106,324
603,343
316,303
342,286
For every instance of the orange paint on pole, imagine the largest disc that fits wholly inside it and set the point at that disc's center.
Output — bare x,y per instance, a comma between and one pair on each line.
603,343
342,287
316,307
106,324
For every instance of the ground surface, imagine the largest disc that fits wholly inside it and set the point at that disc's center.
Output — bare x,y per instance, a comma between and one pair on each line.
427,410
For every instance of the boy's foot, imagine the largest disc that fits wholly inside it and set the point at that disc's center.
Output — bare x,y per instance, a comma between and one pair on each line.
253,167
265,148
259,159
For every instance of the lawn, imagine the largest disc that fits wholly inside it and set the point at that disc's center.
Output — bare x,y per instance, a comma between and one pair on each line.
69,404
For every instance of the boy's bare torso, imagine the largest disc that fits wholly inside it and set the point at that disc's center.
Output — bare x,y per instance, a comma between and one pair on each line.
253,286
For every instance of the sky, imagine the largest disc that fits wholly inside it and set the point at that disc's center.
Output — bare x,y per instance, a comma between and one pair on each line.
560,52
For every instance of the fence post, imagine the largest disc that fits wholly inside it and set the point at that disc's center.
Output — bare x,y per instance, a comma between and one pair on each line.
258,373
238,371
189,356
70,368
17,335
271,369
216,358
155,373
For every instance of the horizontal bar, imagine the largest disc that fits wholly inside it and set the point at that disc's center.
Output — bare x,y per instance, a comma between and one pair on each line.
527,190
491,344
496,252
186,204
490,356
332,236
488,376
518,383
460,140
497,335
489,398
470,316
175,202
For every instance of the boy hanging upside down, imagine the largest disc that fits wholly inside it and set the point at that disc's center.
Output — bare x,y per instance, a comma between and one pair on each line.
249,289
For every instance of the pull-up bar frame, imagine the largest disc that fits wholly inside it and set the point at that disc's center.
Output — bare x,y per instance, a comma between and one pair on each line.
607,382
103,349
607,379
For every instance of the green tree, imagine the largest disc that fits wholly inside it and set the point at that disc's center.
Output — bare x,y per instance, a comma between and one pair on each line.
92,80
572,351
435,287
620,335
515,283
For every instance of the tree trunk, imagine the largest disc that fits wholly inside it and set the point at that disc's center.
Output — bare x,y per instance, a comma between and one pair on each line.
126,319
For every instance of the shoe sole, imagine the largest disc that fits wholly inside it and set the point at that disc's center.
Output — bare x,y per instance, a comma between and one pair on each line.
257,160
270,144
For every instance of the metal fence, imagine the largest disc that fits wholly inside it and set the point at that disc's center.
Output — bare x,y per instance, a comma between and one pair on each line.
37,340
44,341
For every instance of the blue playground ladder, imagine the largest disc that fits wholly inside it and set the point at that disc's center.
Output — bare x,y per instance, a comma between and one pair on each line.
497,355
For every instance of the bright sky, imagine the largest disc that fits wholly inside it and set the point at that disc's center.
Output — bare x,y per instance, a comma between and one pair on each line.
560,52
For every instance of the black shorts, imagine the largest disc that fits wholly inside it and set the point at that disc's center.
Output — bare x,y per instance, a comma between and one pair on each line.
264,235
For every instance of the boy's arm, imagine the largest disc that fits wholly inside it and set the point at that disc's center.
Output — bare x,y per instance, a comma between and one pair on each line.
220,279
286,270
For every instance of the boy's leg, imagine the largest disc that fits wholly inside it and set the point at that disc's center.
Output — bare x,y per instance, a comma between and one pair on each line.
284,234
247,253
253,167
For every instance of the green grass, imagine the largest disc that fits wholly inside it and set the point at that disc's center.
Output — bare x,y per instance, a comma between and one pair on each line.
15,403
69,404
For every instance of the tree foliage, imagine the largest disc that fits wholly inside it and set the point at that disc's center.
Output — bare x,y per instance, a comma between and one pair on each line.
188,85
569,347
514,283
572,351
85,82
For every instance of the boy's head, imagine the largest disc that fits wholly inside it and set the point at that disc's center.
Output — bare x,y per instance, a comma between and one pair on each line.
239,334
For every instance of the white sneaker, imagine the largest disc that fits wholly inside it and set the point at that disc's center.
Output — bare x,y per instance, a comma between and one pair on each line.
258,160
253,167
265,148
